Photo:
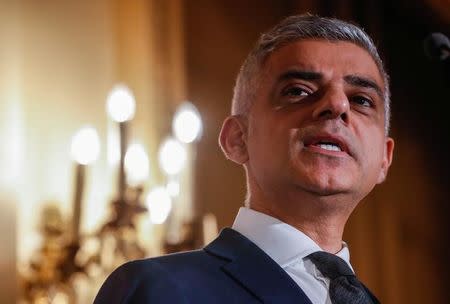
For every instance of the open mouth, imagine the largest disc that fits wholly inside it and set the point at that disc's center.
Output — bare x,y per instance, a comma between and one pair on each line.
331,143
328,146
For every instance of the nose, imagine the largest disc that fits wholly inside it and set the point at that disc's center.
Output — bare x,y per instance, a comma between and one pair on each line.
333,104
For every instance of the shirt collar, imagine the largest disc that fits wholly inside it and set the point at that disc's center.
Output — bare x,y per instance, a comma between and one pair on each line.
282,242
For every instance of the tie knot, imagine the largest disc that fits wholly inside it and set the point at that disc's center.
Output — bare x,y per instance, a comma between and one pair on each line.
330,265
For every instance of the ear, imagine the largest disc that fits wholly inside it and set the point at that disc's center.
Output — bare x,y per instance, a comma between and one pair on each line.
387,159
233,139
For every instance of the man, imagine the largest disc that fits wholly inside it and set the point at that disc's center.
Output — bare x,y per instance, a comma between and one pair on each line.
309,123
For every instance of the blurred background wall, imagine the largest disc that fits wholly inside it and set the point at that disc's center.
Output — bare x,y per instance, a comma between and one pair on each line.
59,59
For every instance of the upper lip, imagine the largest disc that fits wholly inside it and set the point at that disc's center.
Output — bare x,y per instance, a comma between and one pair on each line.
328,138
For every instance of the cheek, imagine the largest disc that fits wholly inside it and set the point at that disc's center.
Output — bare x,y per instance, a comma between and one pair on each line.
258,142
373,155
267,147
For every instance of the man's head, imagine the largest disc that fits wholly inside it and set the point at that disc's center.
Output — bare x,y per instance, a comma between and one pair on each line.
292,29
310,116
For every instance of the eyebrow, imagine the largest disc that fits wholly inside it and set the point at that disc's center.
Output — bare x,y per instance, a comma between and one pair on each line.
297,74
364,83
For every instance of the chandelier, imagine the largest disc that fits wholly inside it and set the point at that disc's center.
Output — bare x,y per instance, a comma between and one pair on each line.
144,219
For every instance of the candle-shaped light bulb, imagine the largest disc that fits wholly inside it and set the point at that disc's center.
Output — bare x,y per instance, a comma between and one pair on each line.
172,156
137,165
121,107
159,205
85,146
187,123
121,104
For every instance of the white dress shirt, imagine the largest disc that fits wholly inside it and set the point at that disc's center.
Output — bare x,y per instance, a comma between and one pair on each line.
288,247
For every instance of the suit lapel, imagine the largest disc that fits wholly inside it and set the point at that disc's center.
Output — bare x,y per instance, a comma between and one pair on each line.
255,270
371,295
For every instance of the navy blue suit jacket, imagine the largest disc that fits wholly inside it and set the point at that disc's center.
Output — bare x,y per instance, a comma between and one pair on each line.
231,269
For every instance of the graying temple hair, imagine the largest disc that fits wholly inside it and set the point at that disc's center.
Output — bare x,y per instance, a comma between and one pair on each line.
296,28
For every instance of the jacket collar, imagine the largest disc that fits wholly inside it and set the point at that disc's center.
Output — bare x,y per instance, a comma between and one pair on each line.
255,270
281,241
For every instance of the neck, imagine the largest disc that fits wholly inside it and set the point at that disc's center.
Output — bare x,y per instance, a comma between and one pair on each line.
324,228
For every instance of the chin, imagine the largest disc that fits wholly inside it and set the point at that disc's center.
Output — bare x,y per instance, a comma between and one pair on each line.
326,185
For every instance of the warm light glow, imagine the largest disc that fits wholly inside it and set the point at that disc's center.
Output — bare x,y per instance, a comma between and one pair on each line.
210,229
173,188
187,124
60,298
172,156
112,144
121,104
159,205
85,146
136,164
12,133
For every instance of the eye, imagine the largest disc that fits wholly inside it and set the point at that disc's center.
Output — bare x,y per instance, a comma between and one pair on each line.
362,101
296,93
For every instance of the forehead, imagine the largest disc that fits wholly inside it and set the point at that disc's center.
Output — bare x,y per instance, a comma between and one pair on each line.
333,59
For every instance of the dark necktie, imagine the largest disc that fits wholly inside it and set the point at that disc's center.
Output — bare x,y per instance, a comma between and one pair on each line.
344,286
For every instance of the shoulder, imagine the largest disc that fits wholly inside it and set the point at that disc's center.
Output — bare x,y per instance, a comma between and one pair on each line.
156,280
162,264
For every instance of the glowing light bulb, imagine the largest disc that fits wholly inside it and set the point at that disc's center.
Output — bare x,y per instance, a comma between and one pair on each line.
173,188
172,156
120,103
159,205
85,146
187,123
137,164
